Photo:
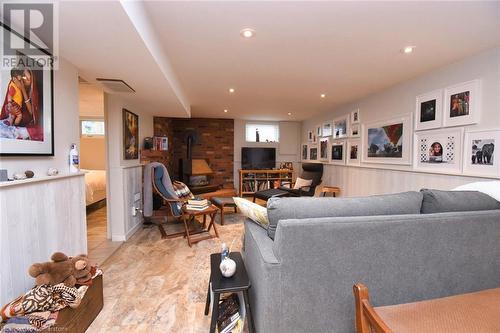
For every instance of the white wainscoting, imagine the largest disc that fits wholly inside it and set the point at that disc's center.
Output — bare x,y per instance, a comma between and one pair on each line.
132,182
361,181
37,219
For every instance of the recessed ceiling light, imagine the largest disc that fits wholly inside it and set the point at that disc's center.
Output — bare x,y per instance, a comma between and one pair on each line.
231,90
322,95
226,110
289,113
247,33
408,49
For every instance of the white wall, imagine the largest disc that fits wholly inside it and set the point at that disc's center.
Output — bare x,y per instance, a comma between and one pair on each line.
40,217
125,176
400,99
287,150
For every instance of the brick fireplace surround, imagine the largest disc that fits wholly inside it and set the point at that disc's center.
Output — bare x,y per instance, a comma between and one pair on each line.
215,144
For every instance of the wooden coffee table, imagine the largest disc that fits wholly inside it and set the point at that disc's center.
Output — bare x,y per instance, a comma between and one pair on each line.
195,236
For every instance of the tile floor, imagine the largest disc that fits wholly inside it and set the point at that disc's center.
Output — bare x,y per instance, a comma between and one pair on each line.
159,285
99,247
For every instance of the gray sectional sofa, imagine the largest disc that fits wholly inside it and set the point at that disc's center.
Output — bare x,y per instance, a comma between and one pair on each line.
404,247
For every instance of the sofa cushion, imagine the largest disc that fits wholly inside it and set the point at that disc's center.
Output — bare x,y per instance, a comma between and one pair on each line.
300,208
436,201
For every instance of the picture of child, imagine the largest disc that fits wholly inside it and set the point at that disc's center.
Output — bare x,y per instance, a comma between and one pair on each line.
14,96
436,153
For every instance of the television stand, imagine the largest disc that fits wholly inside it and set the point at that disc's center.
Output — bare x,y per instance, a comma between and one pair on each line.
252,181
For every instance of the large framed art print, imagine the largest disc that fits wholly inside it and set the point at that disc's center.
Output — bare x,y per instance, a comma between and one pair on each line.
27,114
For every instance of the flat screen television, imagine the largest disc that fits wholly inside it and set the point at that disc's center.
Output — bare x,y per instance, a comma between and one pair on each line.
258,158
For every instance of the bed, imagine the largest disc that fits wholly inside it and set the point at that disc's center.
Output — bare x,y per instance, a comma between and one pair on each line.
95,186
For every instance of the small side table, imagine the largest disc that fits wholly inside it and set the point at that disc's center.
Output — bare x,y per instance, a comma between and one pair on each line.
196,236
330,189
239,282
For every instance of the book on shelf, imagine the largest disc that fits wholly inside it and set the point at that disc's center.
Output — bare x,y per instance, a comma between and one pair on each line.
229,319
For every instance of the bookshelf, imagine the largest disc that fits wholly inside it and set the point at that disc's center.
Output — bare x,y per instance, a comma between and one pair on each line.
252,181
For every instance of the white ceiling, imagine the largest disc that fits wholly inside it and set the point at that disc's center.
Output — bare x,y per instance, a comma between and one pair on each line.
181,55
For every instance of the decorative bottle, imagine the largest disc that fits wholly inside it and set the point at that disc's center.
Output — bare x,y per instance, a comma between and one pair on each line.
74,160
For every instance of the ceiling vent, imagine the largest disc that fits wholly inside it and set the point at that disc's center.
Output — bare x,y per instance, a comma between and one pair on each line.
116,85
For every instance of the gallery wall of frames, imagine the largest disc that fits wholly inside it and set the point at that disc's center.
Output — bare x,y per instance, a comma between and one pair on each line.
434,138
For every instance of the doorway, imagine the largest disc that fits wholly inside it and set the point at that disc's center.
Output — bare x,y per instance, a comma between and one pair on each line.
93,161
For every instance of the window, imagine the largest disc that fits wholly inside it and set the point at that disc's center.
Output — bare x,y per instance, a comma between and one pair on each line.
262,132
92,127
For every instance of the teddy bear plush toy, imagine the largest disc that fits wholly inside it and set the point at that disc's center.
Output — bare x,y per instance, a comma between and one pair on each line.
62,269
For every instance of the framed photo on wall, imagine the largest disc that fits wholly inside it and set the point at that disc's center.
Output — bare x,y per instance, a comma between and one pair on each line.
323,149
27,109
313,153
355,131
353,152
310,135
338,152
428,110
439,150
304,151
327,129
355,117
461,104
387,141
318,130
130,135
341,127
481,156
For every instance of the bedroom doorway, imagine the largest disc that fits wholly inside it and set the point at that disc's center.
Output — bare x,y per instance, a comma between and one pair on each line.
93,161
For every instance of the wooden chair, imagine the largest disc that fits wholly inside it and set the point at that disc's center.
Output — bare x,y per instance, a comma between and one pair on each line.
471,312
175,205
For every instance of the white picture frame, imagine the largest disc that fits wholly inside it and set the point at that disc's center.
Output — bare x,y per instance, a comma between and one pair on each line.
353,149
490,165
380,133
304,151
462,104
323,147
313,152
318,130
327,129
438,150
429,110
355,117
355,131
337,147
341,127
310,136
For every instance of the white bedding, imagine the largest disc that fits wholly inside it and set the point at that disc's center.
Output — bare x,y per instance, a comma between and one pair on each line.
95,185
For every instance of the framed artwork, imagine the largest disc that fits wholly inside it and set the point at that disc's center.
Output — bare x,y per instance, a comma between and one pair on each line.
327,129
314,138
439,150
310,135
341,127
428,110
480,154
323,149
318,131
461,104
130,135
355,131
27,113
338,152
355,117
353,152
313,153
387,141
304,152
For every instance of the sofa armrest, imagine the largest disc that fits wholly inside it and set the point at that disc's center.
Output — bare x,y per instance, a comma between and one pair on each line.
263,244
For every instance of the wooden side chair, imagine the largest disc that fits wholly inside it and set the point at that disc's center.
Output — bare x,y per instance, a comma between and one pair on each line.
175,205
471,312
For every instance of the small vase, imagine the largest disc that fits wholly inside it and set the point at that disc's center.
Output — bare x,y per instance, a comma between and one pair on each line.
227,267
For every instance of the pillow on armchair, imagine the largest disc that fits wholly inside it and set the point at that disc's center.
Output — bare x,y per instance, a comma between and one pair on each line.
302,184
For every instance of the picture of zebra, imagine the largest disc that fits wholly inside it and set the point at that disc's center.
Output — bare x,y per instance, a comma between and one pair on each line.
482,151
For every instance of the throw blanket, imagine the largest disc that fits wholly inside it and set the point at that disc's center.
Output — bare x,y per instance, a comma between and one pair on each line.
32,322
148,186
